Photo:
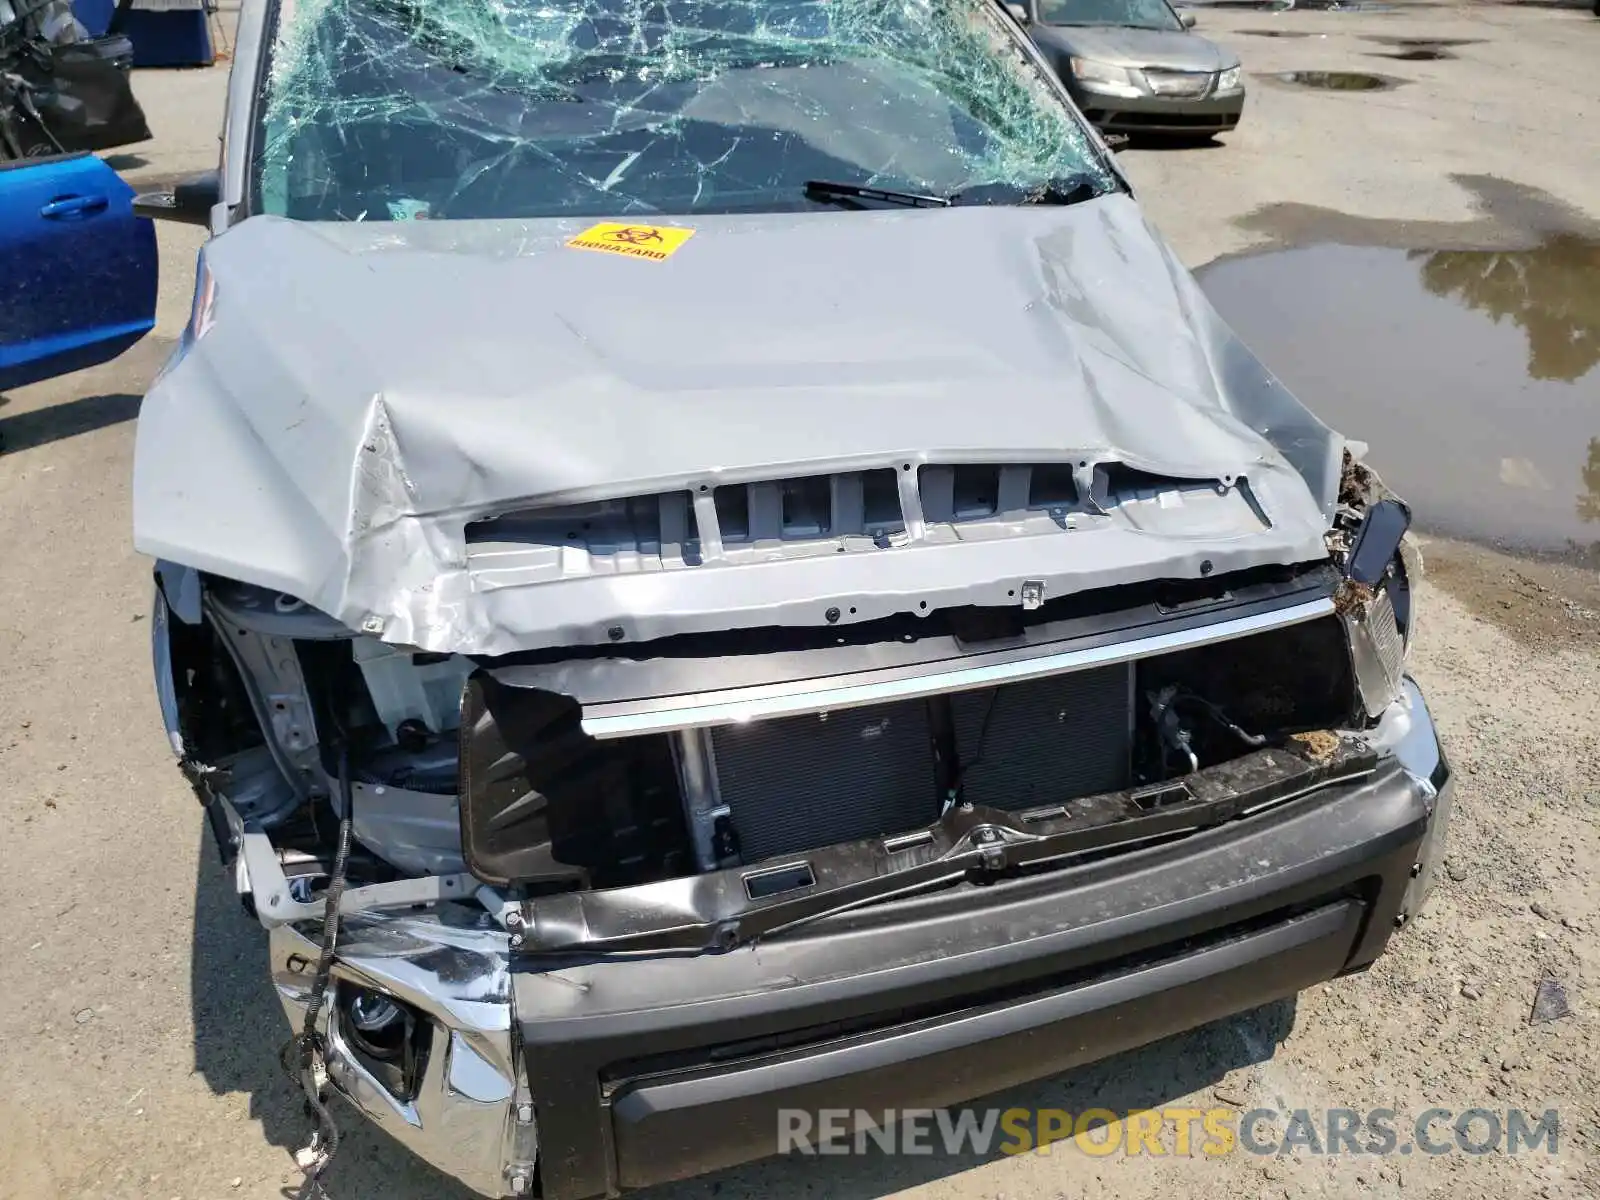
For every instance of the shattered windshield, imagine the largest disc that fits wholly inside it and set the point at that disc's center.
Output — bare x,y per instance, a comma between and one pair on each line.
408,109
1127,14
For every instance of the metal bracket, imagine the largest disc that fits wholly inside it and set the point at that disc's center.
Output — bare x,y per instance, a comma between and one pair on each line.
260,875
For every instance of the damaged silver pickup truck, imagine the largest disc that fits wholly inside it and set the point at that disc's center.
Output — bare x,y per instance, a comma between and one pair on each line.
709,562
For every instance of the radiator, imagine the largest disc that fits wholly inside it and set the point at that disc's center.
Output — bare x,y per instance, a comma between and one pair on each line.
1048,740
798,783
802,782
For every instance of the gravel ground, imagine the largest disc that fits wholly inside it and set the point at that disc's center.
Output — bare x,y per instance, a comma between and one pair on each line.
139,1025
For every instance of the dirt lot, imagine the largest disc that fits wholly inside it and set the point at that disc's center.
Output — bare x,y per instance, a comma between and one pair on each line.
138,1025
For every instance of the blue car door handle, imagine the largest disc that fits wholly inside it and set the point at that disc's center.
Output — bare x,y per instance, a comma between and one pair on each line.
73,206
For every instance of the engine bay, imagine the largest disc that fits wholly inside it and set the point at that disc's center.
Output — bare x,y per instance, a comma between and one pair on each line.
457,764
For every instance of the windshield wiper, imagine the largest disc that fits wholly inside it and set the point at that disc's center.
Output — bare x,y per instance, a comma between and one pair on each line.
1073,189
826,191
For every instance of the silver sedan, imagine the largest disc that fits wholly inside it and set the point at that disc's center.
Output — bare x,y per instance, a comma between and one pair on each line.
1136,66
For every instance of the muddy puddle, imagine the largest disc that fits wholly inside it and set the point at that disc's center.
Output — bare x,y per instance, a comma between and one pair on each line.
1414,49
1473,375
1420,54
1421,43
1336,81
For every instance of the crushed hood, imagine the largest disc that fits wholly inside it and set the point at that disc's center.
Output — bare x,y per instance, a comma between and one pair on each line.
361,392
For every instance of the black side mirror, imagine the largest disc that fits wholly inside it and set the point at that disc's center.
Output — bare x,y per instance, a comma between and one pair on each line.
189,202
1188,20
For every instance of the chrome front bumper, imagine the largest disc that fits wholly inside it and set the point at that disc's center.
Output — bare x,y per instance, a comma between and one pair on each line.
1212,111
472,1115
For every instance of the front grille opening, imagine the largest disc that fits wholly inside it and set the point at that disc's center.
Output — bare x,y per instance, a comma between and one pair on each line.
632,534
733,512
790,786
1052,486
975,492
807,507
971,491
880,503
810,508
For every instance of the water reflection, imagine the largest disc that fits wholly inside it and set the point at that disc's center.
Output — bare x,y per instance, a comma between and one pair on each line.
1589,500
1473,374
1552,294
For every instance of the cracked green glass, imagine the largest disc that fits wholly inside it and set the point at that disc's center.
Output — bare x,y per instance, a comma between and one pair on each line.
440,109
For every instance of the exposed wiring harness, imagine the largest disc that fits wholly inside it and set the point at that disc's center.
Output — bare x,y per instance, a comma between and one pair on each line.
304,1056
1175,735
1221,718
953,795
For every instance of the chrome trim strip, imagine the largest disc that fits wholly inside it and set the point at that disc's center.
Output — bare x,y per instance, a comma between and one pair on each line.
731,708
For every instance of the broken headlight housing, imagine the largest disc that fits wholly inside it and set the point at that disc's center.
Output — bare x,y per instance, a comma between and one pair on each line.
1377,601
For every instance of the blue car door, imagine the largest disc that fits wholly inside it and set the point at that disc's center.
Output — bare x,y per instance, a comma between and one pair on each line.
77,267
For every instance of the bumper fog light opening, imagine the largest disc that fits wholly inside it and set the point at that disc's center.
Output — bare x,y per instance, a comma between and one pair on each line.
377,1025
386,1036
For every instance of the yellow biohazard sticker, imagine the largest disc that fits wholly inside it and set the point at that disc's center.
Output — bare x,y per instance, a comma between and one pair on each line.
653,243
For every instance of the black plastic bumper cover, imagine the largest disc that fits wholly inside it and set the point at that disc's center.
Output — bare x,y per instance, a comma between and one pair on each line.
651,1068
